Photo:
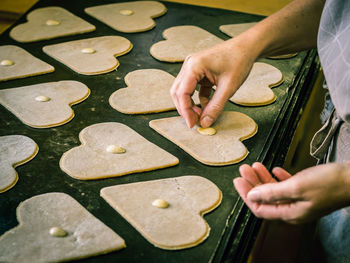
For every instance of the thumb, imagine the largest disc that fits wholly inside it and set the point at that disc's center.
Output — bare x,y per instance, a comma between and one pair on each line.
216,104
272,192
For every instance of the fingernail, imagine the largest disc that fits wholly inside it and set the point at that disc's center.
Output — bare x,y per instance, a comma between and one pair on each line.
206,121
254,195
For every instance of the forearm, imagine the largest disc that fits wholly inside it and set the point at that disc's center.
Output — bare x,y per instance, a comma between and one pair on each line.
292,29
344,173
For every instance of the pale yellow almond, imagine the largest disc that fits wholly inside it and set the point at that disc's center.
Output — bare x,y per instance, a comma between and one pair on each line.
206,131
115,149
160,203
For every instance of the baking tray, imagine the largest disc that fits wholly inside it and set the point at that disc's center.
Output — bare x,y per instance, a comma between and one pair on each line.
232,226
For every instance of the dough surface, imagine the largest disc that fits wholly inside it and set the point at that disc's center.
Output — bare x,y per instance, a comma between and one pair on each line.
223,148
25,103
148,91
25,64
39,27
102,60
91,160
181,224
182,41
256,89
31,240
234,30
15,150
129,17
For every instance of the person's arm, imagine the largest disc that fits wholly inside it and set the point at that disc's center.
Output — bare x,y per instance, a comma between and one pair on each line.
227,65
308,195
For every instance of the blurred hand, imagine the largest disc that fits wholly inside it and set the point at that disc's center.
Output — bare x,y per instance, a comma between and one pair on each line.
308,195
225,65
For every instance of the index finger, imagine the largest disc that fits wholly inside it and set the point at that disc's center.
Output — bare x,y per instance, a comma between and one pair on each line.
182,91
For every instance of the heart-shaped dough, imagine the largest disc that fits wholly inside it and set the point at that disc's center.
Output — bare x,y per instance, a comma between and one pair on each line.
223,148
167,212
113,149
44,105
50,22
14,151
129,17
182,41
148,91
54,227
17,63
234,30
256,89
91,56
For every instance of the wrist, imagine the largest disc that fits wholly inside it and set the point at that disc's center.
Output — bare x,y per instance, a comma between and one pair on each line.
345,172
247,44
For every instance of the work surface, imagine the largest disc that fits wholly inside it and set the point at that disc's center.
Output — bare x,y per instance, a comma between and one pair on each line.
232,226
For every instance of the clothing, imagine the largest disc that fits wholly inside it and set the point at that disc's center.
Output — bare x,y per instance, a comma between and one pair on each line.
333,140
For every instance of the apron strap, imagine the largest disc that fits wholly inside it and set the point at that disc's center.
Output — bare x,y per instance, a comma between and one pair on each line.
322,139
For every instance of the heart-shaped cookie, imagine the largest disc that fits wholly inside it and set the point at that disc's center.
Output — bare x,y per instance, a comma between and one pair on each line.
148,91
167,212
17,63
256,89
223,146
113,149
44,105
91,56
15,150
234,30
50,22
54,227
128,17
182,41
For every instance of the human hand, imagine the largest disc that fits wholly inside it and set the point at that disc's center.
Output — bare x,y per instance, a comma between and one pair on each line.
225,65
309,194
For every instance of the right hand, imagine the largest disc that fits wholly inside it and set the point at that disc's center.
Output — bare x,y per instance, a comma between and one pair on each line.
226,66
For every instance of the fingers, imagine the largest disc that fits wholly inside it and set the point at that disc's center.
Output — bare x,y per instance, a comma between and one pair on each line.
274,192
263,174
181,93
249,174
281,174
217,103
243,187
269,199
197,110
293,212
186,106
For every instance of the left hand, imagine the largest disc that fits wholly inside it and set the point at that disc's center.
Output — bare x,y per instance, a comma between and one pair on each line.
309,194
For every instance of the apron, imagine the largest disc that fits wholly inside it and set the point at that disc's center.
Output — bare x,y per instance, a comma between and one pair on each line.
332,142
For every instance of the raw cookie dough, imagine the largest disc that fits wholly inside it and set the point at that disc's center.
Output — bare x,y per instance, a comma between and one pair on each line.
234,30
256,89
223,148
182,41
92,160
176,226
34,239
128,17
148,91
91,56
44,105
14,151
17,63
49,22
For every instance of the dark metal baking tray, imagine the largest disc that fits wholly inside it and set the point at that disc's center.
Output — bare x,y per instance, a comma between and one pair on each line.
232,226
